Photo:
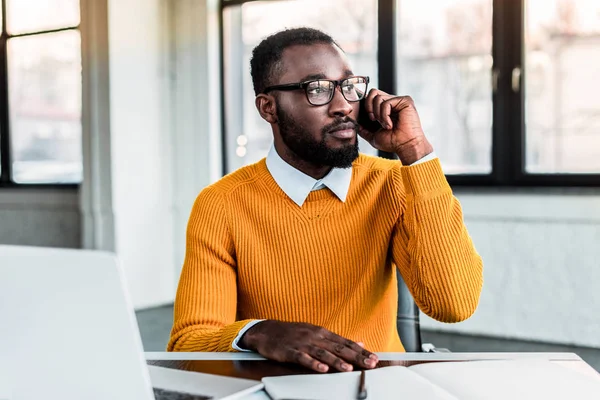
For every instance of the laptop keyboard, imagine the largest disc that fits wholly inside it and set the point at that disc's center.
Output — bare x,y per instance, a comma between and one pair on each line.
162,394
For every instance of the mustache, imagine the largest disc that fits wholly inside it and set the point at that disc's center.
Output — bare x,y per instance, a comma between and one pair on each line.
339,124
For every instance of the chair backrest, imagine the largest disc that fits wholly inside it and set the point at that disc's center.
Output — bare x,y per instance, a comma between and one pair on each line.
407,321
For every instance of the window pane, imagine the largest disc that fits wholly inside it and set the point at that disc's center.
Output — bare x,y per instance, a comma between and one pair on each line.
38,15
444,63
351,23
44,84
562,44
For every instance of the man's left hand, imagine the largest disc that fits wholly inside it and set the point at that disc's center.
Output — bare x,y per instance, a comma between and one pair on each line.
401,131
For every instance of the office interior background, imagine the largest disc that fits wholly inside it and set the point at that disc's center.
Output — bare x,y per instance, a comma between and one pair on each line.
116,113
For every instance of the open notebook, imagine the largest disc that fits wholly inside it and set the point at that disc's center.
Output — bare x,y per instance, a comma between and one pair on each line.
490,380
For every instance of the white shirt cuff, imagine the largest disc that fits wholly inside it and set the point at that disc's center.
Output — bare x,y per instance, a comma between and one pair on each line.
249,325
428,157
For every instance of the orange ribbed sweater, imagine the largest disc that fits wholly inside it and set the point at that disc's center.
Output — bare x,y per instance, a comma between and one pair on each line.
252,253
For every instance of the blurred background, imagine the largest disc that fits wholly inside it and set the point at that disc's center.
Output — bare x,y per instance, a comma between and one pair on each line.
115,115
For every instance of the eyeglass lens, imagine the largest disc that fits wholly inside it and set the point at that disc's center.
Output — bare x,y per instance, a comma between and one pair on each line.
321,92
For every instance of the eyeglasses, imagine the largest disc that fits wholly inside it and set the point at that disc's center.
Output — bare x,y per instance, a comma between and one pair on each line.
320,91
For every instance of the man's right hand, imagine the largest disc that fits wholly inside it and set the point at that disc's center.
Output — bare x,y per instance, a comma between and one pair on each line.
305,344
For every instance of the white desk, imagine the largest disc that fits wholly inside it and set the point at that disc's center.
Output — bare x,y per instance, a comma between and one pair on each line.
254,366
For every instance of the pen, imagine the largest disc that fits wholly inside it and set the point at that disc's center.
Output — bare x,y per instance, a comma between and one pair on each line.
362,390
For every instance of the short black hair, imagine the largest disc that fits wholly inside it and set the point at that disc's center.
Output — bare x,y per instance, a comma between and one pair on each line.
265,62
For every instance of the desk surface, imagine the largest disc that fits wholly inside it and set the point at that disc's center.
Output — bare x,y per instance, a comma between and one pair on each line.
253,366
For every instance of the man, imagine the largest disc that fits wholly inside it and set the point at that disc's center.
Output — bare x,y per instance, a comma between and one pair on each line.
294,257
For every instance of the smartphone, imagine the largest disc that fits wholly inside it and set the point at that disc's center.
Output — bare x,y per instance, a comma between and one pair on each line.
364,120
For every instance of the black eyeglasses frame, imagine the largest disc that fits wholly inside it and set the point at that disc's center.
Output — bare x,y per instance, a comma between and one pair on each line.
304,85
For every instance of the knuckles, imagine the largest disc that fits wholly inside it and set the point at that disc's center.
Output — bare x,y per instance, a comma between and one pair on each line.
338,348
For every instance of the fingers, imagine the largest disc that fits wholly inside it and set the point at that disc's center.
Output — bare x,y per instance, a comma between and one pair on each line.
369,103
380,106
377,102
350,351
327,354
386,112
316,358
321,354
311,346
373,103
304,359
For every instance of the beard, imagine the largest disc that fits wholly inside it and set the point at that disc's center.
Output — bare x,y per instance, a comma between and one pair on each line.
300,141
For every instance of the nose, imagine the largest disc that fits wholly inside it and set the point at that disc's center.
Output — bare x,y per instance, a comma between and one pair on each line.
339,106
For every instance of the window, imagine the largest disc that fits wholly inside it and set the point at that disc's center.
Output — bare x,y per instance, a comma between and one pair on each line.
40,92
506,90
562,51
444,61
353,24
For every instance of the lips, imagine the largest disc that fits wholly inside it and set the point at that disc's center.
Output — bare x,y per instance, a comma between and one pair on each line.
344,131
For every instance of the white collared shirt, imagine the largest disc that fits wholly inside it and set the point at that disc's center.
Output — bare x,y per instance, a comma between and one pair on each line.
297,185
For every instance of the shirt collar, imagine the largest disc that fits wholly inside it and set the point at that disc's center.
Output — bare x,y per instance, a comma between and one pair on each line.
297,185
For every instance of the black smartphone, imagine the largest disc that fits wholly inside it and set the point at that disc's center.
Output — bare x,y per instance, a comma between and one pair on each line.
364,120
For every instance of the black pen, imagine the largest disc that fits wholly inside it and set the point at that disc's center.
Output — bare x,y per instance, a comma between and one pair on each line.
362,389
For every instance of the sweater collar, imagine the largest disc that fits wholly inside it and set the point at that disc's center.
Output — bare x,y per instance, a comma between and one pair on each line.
297,185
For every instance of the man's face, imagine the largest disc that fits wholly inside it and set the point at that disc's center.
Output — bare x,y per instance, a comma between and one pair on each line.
320,135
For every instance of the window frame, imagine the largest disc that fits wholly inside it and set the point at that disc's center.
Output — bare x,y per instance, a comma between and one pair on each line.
508,127
6,180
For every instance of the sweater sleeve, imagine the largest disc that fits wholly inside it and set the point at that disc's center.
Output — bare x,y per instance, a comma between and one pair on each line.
431,245
206,300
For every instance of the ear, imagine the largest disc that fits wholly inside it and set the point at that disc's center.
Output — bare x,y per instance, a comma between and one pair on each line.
267,108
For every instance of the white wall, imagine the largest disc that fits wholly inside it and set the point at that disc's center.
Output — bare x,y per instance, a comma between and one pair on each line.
140,147
151,132
127,189
40,217
196,117
541,253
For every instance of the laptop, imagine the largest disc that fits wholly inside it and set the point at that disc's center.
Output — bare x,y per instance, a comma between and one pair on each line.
68,330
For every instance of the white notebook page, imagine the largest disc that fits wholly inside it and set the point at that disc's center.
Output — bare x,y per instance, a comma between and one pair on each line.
510,379
382,384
